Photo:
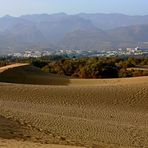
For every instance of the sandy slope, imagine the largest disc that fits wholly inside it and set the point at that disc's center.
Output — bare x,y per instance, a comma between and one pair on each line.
97,113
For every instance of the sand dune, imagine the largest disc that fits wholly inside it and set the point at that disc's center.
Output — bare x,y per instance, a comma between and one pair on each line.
27,74
91,113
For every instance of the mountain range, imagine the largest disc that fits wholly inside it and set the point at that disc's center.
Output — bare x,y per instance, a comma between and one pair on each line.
80,31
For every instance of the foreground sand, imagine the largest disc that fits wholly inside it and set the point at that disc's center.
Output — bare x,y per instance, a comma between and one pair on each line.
21,144
91,113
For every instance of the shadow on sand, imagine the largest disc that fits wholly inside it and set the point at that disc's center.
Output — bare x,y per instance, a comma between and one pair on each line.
31,75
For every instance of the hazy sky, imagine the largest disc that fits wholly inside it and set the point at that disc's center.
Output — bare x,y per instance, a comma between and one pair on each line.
20,7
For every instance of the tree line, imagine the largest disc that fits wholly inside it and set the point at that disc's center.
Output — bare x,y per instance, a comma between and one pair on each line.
112,67
96,67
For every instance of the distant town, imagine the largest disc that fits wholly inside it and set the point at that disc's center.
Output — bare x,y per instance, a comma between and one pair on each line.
81,53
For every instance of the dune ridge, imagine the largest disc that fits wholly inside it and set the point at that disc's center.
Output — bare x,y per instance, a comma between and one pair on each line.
90,113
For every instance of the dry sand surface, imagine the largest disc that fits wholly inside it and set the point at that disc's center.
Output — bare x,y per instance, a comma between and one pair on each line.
20,144
91,113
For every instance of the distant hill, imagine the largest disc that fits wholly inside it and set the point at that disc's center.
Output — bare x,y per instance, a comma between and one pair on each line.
115,20
122,37
81,31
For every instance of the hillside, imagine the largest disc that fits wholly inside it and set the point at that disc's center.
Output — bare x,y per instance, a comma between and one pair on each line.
122,37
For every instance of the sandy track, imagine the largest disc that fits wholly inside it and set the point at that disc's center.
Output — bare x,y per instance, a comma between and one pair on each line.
143,68
97,113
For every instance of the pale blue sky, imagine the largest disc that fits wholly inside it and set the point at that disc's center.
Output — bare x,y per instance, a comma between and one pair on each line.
20,7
